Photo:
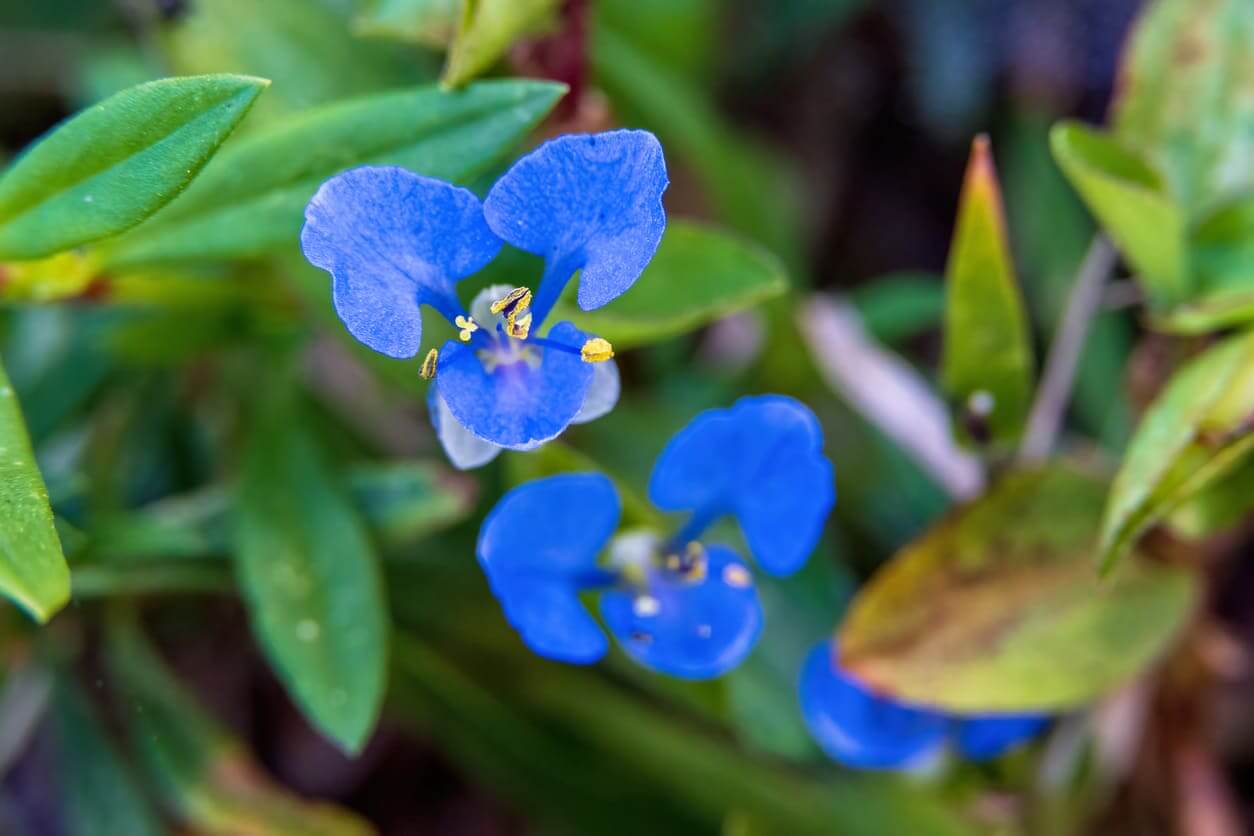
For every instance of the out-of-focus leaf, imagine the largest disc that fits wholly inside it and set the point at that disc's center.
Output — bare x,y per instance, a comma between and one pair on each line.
485,30
207,778
697,276
311,580
307,48
1197,429
1186,98
403,501
116,163
998,607
99,794
988,352
252,199
1221,250
61,276
427,22
1130,201
32,568
899,306
1219,506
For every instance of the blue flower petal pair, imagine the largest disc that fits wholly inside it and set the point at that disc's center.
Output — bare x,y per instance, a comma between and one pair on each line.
861,730
394,241
675,605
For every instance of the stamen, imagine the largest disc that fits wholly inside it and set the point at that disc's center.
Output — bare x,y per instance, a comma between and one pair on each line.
517,326
516,301
646,606
596,350
737,576
467,325
691,565
427,372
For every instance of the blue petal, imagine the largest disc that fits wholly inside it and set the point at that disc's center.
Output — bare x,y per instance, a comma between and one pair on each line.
761,460
590,201
694,629
516,405
987,737
539,547
858,729
392,240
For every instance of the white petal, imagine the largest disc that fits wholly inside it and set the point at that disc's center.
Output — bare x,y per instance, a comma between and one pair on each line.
465,449
602,393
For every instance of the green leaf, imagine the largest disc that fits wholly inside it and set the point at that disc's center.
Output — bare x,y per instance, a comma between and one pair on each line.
988,353
1187,97
1218,507
487,28
426,22
115,164
1197,430
32,568
404,501
998,608
99,793
1130,201
251,200
898,306
206,776
1221,250
311,581
697,276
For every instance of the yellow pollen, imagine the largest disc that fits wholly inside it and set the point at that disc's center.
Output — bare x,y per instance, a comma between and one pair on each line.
427,372
467,325
514,302
517,326
596,350
738,576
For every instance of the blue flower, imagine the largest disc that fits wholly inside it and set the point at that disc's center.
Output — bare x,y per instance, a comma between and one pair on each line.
859,729
394,241
676,604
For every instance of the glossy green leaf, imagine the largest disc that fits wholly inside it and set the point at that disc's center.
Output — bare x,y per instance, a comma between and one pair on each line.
206,777
1197,430
116,163
100,796
487,28
987,360
427,22
32,568
1186,100
998,607
1130,201
311,581
251,200
1221,250
697,276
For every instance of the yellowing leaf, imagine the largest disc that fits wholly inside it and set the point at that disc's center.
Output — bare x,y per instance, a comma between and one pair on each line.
486,29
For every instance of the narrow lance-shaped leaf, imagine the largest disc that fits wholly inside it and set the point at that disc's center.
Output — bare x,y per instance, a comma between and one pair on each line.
1186,97
311,580
1197,430
251,200
1130,201
986,368
998,609
32,568
116,163
485,31
206,777
698,275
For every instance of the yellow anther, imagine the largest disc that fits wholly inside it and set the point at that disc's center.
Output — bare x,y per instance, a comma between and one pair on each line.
737,576
596,350
427,372
514,302
517,326
467,325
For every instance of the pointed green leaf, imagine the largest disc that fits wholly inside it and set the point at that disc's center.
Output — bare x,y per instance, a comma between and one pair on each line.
32,568
697,276
998,607
206,776
251,200
311,580
428,22
1130,201
485,31
987,362
1197,430
99,793
116,163
1186,98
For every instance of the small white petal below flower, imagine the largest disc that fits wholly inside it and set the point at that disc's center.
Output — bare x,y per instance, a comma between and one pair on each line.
602,393
465,449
